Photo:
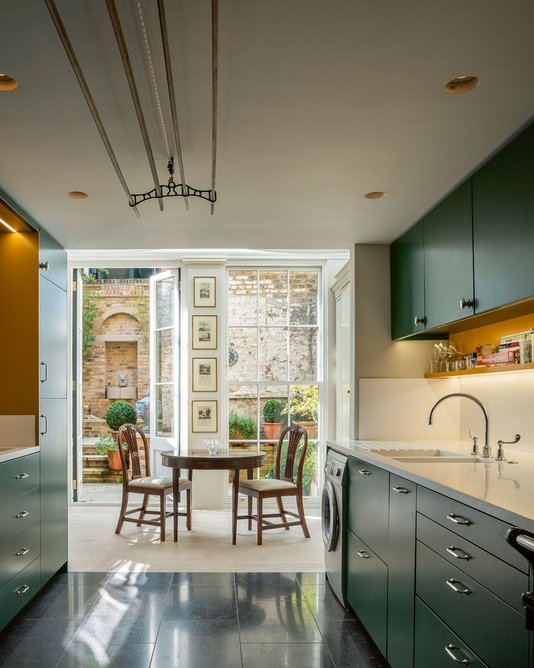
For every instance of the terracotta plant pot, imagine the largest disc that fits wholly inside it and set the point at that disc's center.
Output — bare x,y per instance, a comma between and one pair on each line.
310,427
114,461
272,430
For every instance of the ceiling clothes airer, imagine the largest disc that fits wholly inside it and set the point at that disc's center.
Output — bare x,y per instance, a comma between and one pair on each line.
88,97
171,189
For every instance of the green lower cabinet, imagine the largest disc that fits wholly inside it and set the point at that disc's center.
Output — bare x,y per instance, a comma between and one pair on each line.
367,589
485,623
401,572
437,646
19,591
17,552
369,504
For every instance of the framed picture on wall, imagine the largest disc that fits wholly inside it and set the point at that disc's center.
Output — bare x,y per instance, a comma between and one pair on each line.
204,374
204,332
204,291
204,417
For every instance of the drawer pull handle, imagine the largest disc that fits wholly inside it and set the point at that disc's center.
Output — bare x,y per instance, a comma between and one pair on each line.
44,366
457,553
363,554
22,552
451,649
22,514
22,476
453,584
364,472
401,490
23,589
45,429
458,519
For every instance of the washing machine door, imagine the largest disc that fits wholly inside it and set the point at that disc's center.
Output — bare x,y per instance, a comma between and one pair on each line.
329,517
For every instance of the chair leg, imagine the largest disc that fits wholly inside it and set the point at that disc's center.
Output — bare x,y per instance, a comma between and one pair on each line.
188,509
300,506
281,510
162,516
260,519
124,505
143,509
249,513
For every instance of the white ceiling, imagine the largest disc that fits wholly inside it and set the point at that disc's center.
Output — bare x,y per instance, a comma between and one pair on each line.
320,101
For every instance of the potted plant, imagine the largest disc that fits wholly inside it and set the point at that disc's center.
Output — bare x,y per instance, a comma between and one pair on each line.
304,408
241,426
119,413
272,419
107,445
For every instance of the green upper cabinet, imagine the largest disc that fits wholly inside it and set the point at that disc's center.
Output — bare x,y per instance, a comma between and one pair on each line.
503,219
448,244
408,284
52,260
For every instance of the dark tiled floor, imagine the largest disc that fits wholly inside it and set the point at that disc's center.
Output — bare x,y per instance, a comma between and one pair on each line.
190,620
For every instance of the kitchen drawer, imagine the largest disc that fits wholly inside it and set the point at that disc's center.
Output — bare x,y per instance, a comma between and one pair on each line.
19,514
19,591
479,528
436,645
19,551
367,579
503,580
369,504
492,629
18,476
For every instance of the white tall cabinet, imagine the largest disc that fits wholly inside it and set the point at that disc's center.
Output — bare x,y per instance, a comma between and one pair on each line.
342,293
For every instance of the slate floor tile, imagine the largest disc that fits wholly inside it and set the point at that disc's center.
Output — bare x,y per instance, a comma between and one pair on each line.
280,620
114,655
296,655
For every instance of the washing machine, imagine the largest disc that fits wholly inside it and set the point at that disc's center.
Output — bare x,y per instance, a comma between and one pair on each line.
334,521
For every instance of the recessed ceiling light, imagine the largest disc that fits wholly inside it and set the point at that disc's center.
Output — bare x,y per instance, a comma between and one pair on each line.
462,84
77,194
376,194
7,82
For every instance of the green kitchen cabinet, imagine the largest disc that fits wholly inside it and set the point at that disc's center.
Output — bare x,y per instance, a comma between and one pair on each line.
408,284
52,260
503,225
448,251
401,571
52,340
367,579
369,504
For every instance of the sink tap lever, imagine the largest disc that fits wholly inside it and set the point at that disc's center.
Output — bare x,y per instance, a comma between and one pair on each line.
500,452
474,449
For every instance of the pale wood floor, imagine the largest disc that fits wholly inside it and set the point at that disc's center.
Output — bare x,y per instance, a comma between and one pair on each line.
93,545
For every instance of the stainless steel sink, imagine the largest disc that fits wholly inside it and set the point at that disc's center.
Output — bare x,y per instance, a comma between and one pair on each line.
427,455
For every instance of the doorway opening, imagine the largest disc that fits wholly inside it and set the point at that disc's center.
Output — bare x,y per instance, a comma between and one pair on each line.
126,350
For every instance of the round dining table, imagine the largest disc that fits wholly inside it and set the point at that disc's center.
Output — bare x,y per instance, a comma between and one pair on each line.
230,460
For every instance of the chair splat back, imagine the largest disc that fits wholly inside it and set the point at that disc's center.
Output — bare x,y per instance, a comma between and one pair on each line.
129,452
294,435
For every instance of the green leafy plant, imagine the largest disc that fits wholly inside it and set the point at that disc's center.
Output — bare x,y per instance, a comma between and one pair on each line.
304,403
89,312
106,444
241,426
119,413
272,411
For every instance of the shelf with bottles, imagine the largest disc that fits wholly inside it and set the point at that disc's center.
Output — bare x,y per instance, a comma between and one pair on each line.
476,370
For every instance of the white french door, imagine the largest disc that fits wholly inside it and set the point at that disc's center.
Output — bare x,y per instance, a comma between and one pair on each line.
164,358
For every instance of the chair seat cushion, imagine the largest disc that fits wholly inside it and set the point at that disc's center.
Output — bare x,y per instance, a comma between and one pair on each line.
267,485
153,482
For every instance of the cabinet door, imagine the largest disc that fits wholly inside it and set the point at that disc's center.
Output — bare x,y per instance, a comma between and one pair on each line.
503,225
52,260
368,504
367,589
53,486
448,232
407,284
401,572
52,340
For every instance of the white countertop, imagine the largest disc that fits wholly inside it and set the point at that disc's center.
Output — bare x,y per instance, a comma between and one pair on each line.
12,453
502,489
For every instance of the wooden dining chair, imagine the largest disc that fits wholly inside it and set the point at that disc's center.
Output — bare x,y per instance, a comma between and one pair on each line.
136,479
284,484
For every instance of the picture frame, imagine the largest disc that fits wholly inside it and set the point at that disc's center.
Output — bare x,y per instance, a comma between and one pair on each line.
204,332
204,416
204,291
204,374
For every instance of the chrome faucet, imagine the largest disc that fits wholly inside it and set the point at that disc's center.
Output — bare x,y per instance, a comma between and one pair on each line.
486,449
